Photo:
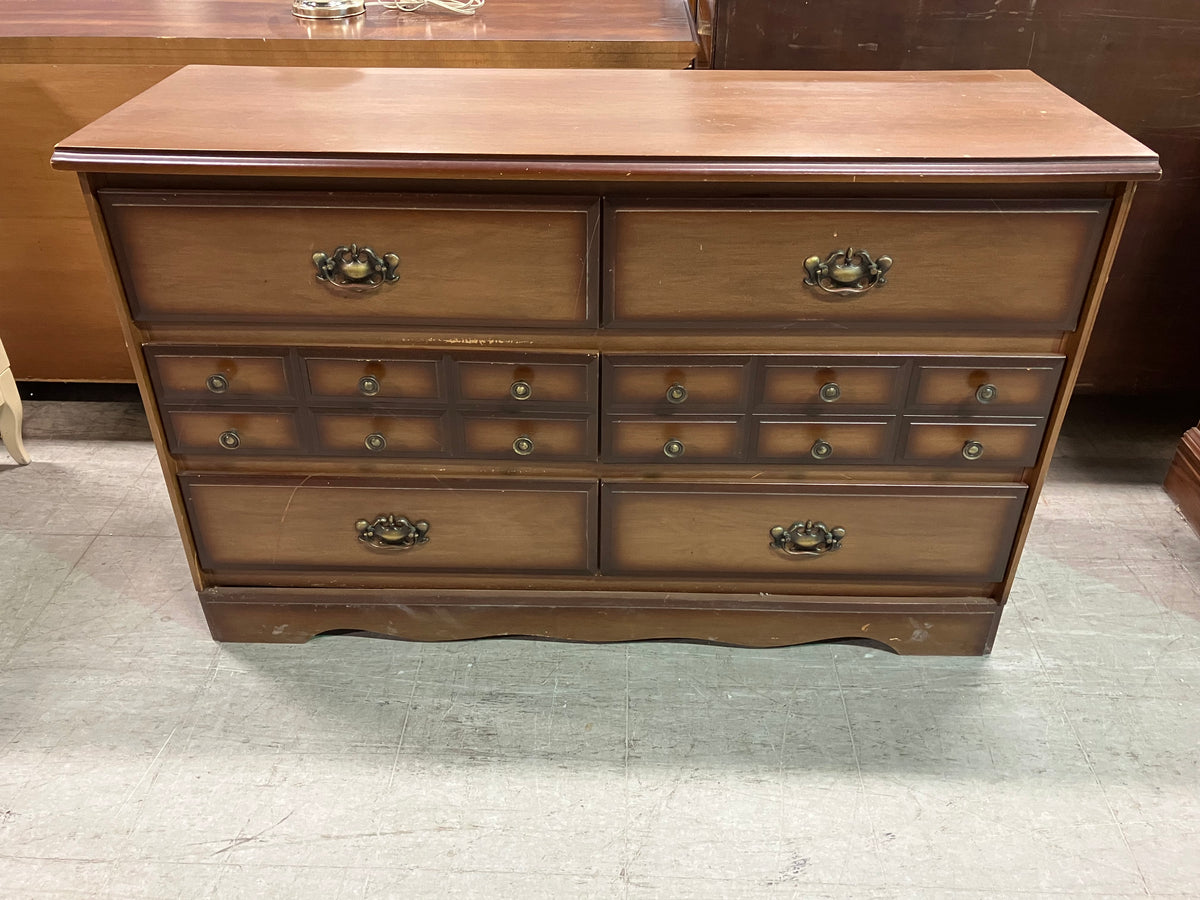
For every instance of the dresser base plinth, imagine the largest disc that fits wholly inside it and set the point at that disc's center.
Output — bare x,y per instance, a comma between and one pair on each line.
941,627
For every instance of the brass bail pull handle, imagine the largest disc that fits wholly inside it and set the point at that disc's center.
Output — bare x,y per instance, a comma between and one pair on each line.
806,538
392,533
356,268
847,271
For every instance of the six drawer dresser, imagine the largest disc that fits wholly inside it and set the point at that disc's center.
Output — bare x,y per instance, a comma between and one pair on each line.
756,358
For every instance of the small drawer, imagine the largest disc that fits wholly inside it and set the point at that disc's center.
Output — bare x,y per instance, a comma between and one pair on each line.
232,432
315,524
971,442
348,434
986,386
374,379
668,385
533,439
679,440
182,375
939,533
825,441
831,384
526,382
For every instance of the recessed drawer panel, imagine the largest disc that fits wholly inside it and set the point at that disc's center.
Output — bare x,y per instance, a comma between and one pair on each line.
331,524
380,379
972,442
986,386
500,437
832,384
354,258
670,385
944,533
527,382
826,441
191,374
233,432
681,440
938,265
381,435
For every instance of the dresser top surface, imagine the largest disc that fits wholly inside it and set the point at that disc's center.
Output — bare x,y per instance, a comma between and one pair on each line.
505,123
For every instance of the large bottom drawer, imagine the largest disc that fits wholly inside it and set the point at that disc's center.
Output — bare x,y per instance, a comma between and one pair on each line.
933,533
265,523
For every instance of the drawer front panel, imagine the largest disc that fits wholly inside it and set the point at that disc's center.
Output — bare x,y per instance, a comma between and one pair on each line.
499,437
677,441
954,266
936,532
181,375
312,524
374,379
250,257
972,442
381,435
826,442
514,383
986,386
232,432
674,385
831,385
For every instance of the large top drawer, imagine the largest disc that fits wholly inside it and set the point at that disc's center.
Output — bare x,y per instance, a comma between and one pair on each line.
945,265
258,256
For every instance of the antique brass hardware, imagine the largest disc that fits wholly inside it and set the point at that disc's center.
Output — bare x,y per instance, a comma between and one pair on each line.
521,390
986,393
821,449
807,538
392,533
368,385
673,449
847,271
356,268
375,441
229,440
523,446
831,391
972,450
217,383
676,393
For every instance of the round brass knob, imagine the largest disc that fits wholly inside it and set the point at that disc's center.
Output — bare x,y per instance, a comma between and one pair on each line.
368,385
229,440
520,390
523,446
676,393
375,441
821,450
217,383
986,393
972,450
673,449
831,391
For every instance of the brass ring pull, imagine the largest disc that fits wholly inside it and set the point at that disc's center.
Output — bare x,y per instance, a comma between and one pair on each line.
673,449
830,392
392,533
847,271
375,441
676,393
217,383
356,268
972,450
520,390
807,538
368,385
821,450
229,440
986,393
523,446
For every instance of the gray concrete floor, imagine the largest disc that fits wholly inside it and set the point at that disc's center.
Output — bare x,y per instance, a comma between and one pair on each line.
138,759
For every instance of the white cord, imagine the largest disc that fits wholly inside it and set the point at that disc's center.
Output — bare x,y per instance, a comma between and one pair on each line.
459,7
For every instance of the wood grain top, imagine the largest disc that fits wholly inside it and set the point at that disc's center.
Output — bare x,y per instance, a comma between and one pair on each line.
621,124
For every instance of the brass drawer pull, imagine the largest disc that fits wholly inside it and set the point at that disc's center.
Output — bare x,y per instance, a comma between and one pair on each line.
356,268
986,393
972,450
807,538
523,446
673,449
368,385
831,392
821,450
217,383
392,533
847,271
521,390
229,440
375,441
676,393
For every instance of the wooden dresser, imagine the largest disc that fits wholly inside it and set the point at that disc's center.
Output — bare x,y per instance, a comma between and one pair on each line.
731,356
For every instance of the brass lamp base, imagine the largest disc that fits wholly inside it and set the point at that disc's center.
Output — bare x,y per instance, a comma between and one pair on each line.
328,9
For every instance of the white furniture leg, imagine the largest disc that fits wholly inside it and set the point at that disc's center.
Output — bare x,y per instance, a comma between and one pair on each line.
11,413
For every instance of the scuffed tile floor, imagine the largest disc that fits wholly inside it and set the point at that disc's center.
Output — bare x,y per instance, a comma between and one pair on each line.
138,759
